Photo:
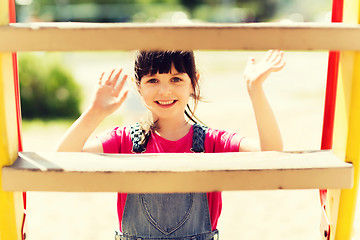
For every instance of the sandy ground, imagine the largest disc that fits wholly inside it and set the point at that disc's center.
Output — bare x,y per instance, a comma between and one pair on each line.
296,94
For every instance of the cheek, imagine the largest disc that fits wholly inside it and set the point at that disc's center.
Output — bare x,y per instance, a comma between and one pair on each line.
142,90
145,96
192,90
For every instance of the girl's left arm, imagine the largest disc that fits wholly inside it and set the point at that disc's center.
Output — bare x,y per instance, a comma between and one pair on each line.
255,74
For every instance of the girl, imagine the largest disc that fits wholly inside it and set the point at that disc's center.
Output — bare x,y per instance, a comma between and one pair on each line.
166,81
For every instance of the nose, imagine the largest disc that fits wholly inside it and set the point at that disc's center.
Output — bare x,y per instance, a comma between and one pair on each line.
165,89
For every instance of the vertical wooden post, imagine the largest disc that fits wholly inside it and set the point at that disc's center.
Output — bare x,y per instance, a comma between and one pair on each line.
10,203
342,203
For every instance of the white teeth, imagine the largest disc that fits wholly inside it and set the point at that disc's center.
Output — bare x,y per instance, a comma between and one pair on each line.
166,102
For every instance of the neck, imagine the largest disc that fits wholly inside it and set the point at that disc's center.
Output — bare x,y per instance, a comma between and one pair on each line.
173,129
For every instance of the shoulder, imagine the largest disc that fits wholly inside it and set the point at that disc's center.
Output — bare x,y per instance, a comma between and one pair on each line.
116,140
218,134
218,140
116,132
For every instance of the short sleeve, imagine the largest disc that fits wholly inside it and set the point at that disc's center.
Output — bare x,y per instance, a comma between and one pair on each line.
116,140
222,141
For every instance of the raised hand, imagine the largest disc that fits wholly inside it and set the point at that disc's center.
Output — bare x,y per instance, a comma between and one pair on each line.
108,94
256,73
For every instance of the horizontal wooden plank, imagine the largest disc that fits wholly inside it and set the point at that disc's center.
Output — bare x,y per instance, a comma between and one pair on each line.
87,172
127,36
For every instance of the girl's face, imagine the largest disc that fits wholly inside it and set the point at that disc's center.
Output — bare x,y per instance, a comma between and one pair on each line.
166,95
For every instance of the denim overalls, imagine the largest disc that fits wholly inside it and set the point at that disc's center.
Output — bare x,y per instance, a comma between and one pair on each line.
180,216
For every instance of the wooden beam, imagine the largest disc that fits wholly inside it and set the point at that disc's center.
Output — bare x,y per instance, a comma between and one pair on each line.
174,172
129,36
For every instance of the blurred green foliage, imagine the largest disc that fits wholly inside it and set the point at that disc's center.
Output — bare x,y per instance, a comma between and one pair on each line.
129,10
47,88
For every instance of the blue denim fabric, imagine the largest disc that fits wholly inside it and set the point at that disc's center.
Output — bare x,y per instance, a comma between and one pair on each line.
181,216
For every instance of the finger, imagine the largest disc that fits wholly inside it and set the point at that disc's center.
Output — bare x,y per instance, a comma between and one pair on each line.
100,79
273,56
116,77
118,74
121,84
279,58
108,81
279,66
268,55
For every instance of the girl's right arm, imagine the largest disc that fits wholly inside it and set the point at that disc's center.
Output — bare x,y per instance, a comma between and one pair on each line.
107,98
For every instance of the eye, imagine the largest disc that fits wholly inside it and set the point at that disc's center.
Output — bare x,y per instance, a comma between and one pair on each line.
152,80
176,79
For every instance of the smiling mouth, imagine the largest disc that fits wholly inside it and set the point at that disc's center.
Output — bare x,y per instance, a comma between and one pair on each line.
166,103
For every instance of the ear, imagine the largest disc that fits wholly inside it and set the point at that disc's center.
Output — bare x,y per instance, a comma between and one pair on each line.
192,93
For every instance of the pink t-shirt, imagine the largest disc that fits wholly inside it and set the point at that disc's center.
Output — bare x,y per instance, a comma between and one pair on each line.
118,140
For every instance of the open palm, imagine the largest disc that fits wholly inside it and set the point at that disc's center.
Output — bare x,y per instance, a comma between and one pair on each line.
108,94
256,73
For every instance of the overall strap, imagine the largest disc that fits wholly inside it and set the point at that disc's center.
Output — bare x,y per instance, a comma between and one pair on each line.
136,134
198,143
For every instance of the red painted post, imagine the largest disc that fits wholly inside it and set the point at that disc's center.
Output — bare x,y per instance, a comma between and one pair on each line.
331,86
330,100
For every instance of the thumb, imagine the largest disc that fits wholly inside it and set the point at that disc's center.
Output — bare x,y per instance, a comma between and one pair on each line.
250,63
251,60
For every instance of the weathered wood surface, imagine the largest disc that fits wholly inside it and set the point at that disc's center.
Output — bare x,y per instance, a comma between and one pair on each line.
130,36
87,172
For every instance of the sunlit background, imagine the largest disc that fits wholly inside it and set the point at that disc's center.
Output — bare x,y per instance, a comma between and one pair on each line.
57,87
